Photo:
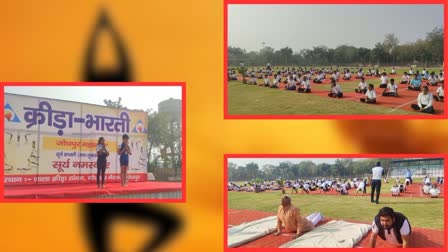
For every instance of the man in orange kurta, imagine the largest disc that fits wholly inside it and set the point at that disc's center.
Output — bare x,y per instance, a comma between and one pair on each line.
289,216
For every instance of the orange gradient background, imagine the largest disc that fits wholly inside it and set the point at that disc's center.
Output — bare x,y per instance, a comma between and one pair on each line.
170,41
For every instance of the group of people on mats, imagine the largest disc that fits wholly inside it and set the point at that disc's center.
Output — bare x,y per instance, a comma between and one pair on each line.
299,80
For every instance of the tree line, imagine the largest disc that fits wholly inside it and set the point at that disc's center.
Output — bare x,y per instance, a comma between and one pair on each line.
164,139
423,52
341,168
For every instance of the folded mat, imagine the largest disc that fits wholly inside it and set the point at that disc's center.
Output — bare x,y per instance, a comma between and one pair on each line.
334,234
246,232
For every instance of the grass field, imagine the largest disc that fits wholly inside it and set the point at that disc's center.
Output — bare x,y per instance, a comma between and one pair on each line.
422,212
248,99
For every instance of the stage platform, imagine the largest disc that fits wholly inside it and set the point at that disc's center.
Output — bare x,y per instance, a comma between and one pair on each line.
135,190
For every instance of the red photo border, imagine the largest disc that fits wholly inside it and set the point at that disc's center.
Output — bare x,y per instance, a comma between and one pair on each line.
105,84
342,116
227,156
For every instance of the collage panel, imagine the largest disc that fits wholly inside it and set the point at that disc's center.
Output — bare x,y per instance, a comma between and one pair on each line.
334,201
321,64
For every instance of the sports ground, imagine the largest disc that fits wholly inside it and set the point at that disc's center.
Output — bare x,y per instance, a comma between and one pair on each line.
425,214
245,99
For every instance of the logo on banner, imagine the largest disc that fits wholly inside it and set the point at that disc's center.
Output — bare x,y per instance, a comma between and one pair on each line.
139,127
10,115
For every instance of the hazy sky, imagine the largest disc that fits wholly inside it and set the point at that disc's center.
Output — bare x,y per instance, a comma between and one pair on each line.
276,161
132,97
302,26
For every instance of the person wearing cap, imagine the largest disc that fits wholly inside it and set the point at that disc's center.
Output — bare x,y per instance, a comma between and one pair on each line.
377,173
424,102
392,227
289,216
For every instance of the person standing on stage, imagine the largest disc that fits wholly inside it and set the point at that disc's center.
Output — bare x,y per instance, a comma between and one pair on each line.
124,151
102,153
377,173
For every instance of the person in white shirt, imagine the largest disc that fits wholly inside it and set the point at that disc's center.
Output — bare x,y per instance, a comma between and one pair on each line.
384,80
347,75
275,82
425,101
392,227
434,191
360,74
377,173
395,190
362,86
426,188
411,72
370,95
336,90
334,76
427,180
393,71
361,188
405,79
392,87
305,86
266,81
320,78
441,78
432,80
440,93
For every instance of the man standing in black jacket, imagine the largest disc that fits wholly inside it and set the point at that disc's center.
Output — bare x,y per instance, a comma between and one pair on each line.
393,227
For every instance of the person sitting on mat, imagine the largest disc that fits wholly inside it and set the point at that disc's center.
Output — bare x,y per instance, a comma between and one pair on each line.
425,101
441,78
411,72
439,95
432,80
274,82
434,191
288,216
336,90
305,86
334,76
393,71
291,85
384,80
362,86
393,89
347,75
319,78
370,95
266,81
405,79
393,227
360,74
415,83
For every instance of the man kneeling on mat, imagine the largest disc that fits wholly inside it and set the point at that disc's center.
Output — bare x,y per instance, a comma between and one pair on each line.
393,227
289,216
370,95
425,101
336,90
392,87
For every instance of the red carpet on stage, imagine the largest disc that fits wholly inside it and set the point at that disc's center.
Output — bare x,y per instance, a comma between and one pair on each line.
78,191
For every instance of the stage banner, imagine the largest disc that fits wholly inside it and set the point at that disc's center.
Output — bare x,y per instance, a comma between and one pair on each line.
50,141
